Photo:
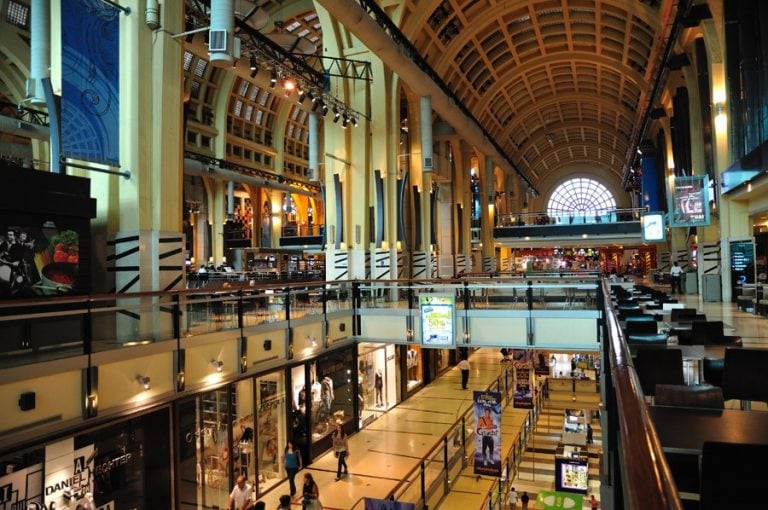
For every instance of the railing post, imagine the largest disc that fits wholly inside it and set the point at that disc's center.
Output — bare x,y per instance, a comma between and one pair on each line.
240,310
529,295
176,316
466,295
423,482
445,465
356,303
88,331
287,291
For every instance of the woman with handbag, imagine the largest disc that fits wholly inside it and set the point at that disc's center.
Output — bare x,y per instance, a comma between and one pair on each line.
340,449
311,492
292,463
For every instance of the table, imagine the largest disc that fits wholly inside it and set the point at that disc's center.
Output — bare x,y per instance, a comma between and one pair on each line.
684,430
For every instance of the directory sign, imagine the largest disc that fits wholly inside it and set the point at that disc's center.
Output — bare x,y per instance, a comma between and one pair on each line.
689,205
654,228
437,317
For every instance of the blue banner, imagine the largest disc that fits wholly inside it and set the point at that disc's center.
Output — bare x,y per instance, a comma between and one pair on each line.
90,63
386,504
487,458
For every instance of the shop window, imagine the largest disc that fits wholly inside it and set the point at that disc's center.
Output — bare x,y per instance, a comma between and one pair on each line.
414,367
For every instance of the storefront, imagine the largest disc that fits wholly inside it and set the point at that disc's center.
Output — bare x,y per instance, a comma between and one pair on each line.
377,381
414,367
322,396
249,415
122,466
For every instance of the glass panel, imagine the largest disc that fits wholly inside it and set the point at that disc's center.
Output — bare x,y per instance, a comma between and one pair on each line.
214,452
271,430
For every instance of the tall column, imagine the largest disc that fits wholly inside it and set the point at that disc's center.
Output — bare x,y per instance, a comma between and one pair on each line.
141,218
314,148
425,132
488,214
217,218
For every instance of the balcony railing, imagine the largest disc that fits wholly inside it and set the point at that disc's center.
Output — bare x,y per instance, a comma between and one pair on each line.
571,218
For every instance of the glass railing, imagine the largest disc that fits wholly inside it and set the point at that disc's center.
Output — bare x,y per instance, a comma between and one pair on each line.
56,328
570,218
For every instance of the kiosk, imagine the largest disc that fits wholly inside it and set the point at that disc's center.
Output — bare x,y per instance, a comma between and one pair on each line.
575,427
571,469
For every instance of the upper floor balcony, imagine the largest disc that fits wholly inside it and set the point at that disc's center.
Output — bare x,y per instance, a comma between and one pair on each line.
527,229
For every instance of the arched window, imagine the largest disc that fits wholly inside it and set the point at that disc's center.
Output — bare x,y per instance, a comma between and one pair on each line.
583,196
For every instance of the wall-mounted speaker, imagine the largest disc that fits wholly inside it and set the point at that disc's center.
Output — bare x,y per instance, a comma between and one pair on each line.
27,401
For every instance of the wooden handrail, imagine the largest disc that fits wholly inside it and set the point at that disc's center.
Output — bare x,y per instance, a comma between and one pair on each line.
647,479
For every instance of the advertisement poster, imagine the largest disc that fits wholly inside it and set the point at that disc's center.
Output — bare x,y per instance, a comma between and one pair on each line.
69,475
21,489
523,397
553,500
487,459
38,261
654,228
437,311
386,504
690,202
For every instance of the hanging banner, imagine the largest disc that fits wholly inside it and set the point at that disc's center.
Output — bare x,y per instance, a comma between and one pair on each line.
689,205
90,43
386,504
523,397
487,459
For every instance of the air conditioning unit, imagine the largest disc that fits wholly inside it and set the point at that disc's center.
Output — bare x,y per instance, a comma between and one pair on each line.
217,41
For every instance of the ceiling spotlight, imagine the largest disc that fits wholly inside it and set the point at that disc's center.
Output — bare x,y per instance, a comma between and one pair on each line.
289,85
253,63
144,381
272,79
217,364
324,109
353,120
315,104
254,72
344,121
311,96
302,96
336,115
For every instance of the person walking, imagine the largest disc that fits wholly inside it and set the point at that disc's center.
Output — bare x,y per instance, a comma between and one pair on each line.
524,500
292,463
676,273
593,503
512,498
311,493
463,365
340,450
589,433
241,497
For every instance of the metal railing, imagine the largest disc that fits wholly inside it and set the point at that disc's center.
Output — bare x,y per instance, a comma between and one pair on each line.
637,468
595,216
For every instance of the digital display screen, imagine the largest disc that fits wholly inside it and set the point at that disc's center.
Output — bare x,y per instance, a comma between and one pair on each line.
437,312
572,476
654,228
689,205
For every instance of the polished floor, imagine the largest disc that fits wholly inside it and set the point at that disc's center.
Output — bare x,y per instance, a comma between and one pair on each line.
383,453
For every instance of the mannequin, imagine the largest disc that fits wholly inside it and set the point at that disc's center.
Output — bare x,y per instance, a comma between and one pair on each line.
411,362
378,386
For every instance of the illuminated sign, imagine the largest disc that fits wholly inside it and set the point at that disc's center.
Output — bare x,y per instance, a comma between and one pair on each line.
654,228
437,311
689,205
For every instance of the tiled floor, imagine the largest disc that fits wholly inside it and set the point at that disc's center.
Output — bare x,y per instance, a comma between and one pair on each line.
388,449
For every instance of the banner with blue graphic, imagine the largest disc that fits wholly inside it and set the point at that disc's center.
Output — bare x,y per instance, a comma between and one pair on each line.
90,70
487,458
387,504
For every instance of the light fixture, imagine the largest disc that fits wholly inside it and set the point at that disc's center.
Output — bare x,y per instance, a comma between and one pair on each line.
353,120
749,187
316,104
302,96
289,84
252,62
254,72
324,109
272,78
344,121
336,115
144,381
721,119
217,364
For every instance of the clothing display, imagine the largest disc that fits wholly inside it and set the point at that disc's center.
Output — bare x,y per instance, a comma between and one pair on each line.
378,386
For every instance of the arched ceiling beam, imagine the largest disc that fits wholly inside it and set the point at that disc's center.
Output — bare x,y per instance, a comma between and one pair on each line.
359,23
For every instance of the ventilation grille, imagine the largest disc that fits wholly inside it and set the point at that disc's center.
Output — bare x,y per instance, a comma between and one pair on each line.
217,40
